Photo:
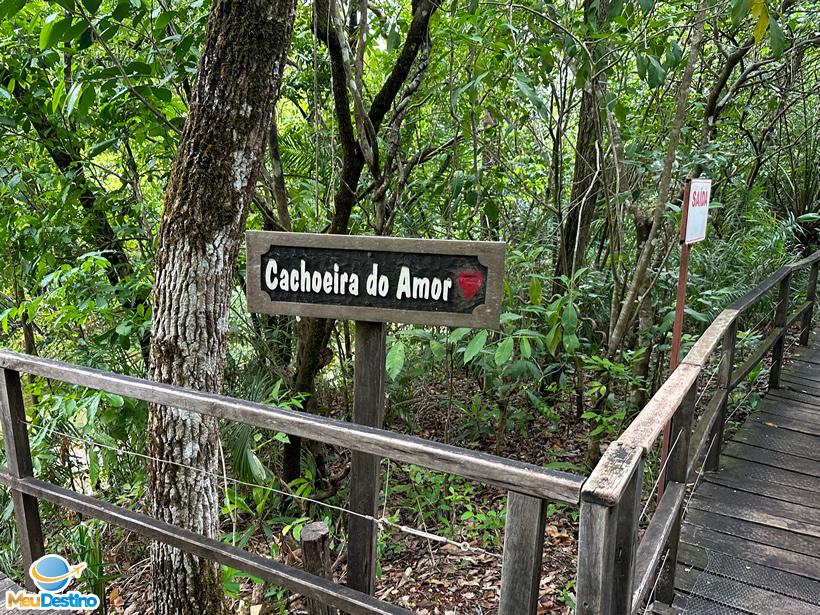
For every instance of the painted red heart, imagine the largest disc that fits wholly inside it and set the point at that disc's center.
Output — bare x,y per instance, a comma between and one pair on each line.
469,282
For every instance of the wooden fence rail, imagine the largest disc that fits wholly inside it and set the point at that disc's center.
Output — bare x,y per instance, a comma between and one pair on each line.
529,486
616,572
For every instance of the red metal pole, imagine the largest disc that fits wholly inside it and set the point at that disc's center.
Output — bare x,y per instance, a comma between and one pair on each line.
677,328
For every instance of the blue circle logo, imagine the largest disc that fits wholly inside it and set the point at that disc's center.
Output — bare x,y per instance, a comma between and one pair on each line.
52,573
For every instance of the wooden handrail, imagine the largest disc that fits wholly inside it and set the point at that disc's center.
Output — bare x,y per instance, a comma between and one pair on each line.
606,528
483,467
529,486
307,584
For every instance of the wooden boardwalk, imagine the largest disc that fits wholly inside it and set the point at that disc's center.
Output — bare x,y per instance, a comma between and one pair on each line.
7,584
750,539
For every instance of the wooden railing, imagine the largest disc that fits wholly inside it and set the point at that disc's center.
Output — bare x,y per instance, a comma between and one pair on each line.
529,486
616,572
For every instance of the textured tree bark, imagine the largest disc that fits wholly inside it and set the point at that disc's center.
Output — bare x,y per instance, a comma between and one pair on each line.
206,202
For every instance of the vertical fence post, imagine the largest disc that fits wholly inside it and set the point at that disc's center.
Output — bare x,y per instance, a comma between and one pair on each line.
316,559
724,383
677,471
365,471
610,507
523,549
780,318
811,296
18,458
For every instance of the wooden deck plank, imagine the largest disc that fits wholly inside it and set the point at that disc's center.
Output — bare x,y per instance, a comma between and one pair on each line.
749,572
745,598
773,557
7,584
772,438
800,387
740,504
755,532
798,422
742,481
774,474
773,458
801,377
785,405
786,408
782,398
790,395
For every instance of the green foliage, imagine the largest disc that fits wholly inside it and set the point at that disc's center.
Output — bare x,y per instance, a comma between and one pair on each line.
92,97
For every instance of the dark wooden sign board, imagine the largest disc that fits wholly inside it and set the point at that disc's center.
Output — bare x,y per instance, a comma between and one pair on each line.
373,280
377,279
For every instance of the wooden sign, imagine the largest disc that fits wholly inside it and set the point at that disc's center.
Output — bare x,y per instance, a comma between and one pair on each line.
380,279
697,213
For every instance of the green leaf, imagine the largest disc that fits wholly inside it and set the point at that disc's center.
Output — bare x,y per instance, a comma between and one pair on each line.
395,360
569,319
99,148
72,97
762,26
813,217
161,23
87,100
553,339
656,74
393,40
641,63
124,328
571,343
524,85
457,335
776,38
9,8
740,8
526,348
696,315
674,54
7,121
53,30
536,292
504,351
667,323
93,466
115,400
475,346
92,5
438,350
58,96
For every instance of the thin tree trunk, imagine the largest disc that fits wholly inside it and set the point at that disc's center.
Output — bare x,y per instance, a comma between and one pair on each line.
210,187
314,333
630,304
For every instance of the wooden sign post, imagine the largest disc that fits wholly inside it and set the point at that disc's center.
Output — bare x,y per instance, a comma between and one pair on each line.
373,281
694,217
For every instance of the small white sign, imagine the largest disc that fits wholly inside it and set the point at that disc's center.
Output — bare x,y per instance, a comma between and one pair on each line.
700,190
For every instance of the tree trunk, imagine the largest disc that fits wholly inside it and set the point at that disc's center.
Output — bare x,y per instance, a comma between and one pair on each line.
586,174
313,333
212,182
